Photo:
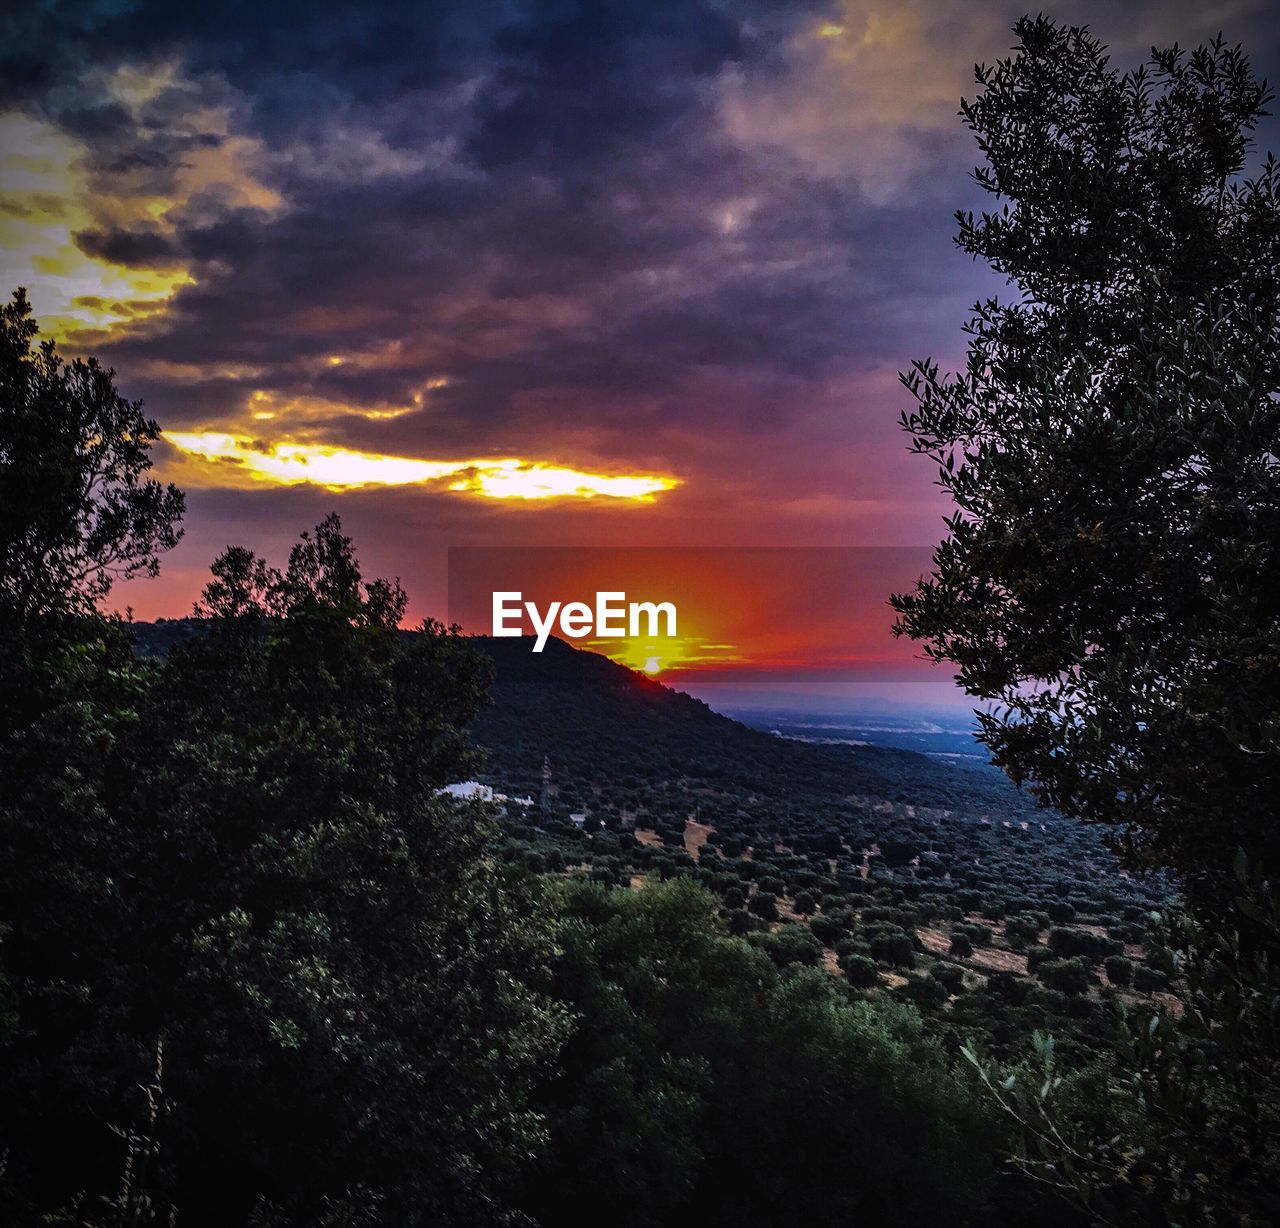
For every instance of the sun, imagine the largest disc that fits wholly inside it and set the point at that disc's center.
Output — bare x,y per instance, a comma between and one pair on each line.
652,665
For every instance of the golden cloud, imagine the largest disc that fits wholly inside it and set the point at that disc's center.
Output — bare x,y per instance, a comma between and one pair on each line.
265,406
44,202
49,193
221,459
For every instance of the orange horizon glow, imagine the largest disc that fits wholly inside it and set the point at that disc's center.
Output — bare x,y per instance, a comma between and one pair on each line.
661,654
772,613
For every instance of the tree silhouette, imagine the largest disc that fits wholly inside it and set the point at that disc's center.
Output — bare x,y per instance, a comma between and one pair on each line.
77,511
1108,578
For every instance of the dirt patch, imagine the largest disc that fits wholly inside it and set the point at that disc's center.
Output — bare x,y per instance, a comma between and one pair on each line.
831,962
1170,1003
1133,999
935,941
645,836
995,960
892,980
695,836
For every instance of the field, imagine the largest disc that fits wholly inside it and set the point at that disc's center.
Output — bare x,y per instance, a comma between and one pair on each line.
900,873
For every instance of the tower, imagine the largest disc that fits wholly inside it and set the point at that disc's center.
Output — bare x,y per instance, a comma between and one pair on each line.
544,798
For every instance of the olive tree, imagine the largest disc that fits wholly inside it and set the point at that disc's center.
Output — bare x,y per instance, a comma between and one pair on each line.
1107,582
77,509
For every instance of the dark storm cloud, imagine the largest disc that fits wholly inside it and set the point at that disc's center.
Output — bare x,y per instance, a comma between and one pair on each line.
145,248
686,237
576,86
374,48
538,218
578,236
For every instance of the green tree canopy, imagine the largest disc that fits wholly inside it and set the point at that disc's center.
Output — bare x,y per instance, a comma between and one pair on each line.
701,1085
237,857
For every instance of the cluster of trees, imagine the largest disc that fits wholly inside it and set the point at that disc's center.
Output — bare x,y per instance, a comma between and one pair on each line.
788,840
702,1084
870,931
799,822
863,875
232,861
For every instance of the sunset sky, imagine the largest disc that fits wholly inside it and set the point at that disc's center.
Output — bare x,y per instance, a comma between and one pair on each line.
597,273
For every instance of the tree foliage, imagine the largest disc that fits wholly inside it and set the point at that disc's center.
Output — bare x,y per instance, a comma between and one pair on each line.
239,852
703,1085
77,511
1108,575
1180,1123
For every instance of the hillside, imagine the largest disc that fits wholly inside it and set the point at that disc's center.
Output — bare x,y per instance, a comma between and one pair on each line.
628,750
942,882
638,741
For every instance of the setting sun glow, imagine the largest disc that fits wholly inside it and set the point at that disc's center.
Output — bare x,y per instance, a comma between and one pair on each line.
655,655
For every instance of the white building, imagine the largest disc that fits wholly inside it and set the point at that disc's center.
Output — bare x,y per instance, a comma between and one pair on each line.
468,790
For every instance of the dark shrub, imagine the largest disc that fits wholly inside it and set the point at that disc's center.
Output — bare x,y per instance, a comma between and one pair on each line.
949,976
894,948
861,970
925,991
1068,976
1149,980
792,944
765,905
740,922
1068,943
1119,970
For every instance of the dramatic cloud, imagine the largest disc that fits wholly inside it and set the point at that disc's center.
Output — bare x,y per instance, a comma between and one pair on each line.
517,272
237,461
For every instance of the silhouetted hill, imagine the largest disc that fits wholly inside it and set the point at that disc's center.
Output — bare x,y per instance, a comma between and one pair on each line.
632,753
632,736
597,720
